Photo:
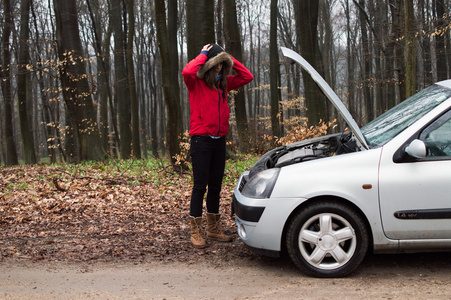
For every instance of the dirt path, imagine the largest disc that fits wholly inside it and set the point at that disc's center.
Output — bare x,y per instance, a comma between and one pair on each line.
407,276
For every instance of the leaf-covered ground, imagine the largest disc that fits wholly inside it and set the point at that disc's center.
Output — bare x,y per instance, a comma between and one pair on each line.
124,210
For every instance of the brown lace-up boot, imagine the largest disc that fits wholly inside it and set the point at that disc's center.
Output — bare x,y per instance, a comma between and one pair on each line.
214,230
197,238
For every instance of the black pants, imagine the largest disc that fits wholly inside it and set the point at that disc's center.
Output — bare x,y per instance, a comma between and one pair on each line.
208,160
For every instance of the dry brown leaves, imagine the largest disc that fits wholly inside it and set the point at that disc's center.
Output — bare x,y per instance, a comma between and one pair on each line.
302,132
48,213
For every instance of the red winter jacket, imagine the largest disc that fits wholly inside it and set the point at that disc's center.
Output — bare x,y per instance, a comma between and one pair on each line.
209,108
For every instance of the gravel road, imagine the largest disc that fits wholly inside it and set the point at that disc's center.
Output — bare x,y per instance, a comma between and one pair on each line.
402,276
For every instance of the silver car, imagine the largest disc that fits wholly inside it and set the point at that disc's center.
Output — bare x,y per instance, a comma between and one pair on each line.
385,187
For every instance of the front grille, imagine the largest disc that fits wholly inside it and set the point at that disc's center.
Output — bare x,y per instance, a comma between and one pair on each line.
242,183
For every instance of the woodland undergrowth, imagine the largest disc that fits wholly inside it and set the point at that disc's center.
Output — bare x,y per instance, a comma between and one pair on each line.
115,210
118,209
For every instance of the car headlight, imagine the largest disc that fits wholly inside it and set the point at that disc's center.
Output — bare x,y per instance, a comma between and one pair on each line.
262,184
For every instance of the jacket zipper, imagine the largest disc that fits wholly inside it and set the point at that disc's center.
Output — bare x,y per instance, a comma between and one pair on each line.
219,111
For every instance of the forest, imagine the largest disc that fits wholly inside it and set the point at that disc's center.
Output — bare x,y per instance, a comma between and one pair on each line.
86,80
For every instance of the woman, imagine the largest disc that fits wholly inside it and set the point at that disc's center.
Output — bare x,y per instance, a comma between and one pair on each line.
208,80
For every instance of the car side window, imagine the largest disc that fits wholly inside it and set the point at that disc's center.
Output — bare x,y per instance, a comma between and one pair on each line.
437,136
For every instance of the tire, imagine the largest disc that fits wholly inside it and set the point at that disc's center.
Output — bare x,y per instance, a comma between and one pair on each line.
327,239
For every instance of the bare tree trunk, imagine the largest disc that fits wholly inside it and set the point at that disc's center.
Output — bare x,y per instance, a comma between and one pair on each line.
77,94
5,77
121,86
350,62
173,125
200,25
258,83
131,79
23,82
366,72
274,71
398,33
379,12
142,81
326,50
219,23
426,43
153,109
440,50
389,75
410,48
103,63
173,53
306,12
233,44
250,98
49,121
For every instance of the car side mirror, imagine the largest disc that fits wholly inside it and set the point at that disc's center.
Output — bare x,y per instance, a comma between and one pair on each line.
417,149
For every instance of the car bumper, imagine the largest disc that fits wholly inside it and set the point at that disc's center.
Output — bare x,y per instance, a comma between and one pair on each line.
261,222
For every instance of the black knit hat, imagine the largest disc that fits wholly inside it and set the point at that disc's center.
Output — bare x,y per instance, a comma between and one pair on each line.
215,50
215,56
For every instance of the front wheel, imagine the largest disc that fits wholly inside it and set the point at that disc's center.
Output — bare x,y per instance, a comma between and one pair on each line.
327,239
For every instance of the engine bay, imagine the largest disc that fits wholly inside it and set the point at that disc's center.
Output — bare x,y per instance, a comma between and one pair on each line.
313,149
325,146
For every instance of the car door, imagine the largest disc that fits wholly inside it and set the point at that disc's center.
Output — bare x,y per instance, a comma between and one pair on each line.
415,194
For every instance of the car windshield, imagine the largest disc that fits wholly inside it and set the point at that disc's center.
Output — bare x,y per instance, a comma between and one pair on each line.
391,123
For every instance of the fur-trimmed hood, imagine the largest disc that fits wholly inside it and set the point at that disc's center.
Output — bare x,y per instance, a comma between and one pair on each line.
223,58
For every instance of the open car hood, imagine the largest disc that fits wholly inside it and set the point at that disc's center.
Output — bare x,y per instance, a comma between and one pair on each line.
330,94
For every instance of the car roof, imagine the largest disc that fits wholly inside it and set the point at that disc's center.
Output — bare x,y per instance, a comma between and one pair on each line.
445,83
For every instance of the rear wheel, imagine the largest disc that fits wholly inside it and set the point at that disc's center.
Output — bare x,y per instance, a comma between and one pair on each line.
327,239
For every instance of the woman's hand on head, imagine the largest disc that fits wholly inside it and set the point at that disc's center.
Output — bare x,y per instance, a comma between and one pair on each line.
207,47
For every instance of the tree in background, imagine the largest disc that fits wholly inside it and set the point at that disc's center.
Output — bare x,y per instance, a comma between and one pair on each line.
398,35
130,5
103,59
373,60
5,77
52,136
443,32
24,84
233,45
121,84
274,71
306,12
411,71
173,124
76,91
200,25
367,111
173,50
